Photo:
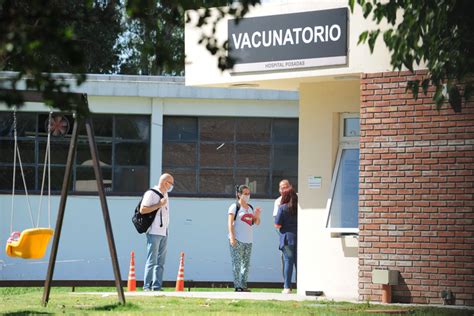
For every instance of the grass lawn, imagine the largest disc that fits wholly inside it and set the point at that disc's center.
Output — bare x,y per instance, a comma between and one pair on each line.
24,301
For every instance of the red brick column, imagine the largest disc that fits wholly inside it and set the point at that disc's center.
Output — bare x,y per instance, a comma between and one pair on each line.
416,208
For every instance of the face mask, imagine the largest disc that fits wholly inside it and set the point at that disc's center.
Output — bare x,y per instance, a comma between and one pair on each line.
245,198
171,188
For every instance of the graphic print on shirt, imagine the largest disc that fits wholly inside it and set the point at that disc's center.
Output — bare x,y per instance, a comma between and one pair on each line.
247,218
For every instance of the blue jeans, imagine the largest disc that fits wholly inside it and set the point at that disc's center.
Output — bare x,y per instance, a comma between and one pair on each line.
281,253
289,260
155,261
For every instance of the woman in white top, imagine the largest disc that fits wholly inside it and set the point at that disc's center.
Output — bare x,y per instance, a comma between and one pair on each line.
241,219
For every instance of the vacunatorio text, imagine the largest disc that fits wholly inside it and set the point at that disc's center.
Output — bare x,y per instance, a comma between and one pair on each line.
294,36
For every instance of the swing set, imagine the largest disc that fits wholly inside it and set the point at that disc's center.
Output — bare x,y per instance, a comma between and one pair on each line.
32,243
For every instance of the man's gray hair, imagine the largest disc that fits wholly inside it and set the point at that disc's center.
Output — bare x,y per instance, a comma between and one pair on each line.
164,176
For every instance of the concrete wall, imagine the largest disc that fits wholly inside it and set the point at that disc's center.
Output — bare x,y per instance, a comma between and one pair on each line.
324,263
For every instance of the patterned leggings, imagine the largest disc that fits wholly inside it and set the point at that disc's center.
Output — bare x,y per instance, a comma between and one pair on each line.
240,255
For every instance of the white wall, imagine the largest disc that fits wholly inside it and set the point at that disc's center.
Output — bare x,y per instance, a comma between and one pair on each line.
324,263
198,225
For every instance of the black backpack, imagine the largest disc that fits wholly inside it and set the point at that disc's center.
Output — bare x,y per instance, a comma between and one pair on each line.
143,221
237,208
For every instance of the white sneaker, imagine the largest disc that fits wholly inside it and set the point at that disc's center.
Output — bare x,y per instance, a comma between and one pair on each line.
286,291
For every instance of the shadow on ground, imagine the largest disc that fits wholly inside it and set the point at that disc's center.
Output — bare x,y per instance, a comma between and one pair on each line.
27,312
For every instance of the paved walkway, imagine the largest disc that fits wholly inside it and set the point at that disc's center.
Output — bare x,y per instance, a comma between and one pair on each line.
259,296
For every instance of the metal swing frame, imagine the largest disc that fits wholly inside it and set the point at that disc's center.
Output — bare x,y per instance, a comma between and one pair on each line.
80,99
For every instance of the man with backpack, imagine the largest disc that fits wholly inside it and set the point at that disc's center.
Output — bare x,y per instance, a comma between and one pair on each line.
156,200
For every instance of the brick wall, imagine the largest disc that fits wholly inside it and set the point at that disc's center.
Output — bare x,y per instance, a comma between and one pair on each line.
416,192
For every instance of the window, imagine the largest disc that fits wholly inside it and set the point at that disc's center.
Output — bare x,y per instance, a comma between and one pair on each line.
343,206
123,143
208,156
350,128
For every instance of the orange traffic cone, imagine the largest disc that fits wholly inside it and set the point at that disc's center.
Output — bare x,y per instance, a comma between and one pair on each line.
180,278
132,281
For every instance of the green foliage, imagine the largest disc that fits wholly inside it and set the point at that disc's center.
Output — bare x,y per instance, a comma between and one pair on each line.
42,37
155,41
39,38
438,33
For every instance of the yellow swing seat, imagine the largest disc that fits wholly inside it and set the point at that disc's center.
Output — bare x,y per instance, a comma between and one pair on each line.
32,243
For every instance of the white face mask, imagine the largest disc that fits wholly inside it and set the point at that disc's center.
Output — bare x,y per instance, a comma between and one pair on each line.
170,188
245,198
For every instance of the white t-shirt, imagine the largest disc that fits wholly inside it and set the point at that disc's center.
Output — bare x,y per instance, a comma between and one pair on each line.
243,223
150,198
276,206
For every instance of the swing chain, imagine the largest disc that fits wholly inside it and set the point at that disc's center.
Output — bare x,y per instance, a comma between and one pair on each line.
14,122
46,168
14,168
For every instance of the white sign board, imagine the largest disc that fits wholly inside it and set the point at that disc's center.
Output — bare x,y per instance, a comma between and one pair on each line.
314,182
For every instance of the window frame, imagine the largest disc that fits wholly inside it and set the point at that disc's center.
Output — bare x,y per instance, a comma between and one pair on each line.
39,141
347,139
234,168
344,143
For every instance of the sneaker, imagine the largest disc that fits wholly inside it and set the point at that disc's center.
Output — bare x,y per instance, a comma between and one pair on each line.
245,290
146,290
239,289
286,291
